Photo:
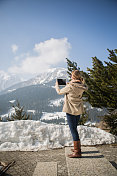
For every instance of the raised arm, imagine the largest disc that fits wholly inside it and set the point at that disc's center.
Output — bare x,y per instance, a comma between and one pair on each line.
62,91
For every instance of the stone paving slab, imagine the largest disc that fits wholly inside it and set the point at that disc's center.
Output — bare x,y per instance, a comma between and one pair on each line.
92,163
46,169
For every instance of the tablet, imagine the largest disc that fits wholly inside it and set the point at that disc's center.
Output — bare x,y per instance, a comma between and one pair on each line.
61,81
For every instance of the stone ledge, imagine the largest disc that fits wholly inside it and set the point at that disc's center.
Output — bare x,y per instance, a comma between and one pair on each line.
92,163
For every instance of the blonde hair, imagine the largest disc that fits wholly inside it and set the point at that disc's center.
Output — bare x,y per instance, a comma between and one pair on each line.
76,75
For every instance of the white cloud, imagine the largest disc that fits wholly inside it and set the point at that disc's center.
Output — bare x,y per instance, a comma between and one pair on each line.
48,53
14,48
21,56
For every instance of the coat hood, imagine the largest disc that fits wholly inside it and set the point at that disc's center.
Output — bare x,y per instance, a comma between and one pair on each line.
78,87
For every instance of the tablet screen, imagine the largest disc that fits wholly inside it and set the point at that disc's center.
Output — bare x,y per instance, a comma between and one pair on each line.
61,82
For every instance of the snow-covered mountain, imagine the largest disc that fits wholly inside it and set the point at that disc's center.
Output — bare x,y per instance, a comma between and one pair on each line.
39,95
7,80
46,78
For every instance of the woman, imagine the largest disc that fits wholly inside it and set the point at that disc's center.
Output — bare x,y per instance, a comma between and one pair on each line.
73,106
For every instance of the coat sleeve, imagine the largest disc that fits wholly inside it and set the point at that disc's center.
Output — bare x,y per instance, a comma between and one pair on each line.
64,90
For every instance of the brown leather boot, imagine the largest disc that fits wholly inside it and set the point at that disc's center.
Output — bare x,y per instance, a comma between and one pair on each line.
79,147
77,150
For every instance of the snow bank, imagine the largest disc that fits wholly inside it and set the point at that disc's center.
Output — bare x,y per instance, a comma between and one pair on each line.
28,135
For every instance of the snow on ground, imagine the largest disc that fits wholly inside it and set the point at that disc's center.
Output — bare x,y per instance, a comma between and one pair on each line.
89,123
10,112
55,115
29,135
12,101
56,102
32,111
11,90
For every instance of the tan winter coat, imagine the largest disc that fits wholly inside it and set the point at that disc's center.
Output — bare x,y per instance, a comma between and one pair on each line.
73,103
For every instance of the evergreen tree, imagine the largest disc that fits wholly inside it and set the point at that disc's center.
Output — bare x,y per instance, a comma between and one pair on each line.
19,113
71,66
102,87
0,119
102,83
83,118
111,121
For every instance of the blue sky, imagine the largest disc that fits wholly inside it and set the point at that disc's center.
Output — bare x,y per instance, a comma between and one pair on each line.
38,34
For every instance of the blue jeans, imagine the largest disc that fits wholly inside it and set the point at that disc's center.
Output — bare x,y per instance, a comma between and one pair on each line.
73,123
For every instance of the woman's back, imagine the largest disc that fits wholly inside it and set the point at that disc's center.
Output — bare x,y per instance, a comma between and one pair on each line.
77,90
73,99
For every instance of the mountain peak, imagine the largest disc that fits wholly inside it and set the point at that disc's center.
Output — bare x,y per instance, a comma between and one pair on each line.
49,75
